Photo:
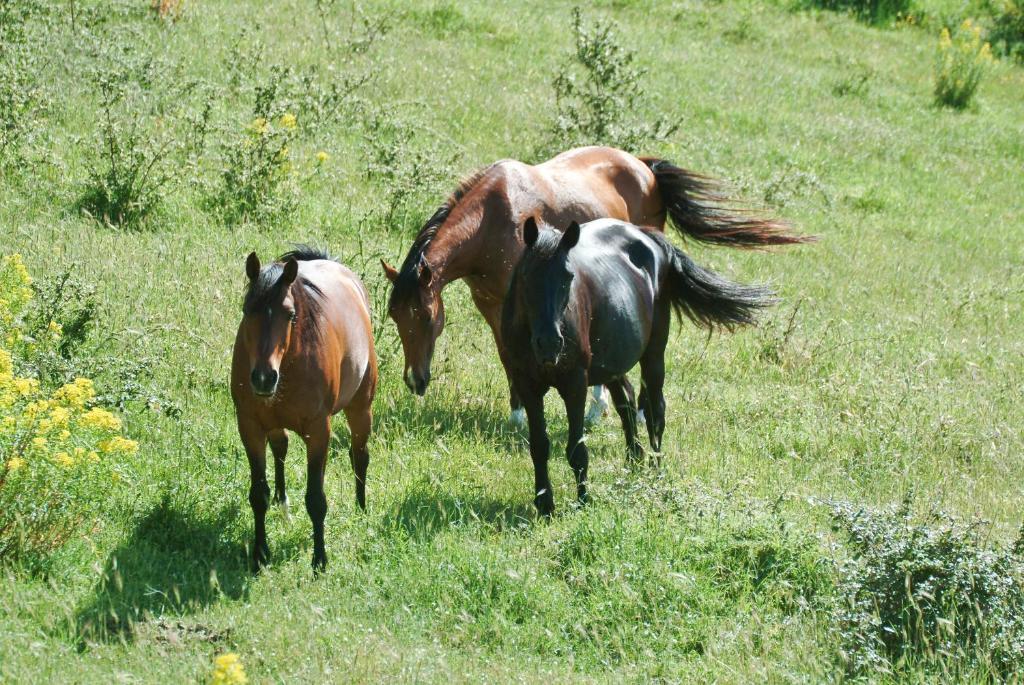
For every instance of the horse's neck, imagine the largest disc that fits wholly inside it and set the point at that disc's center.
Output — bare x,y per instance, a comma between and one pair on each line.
458,249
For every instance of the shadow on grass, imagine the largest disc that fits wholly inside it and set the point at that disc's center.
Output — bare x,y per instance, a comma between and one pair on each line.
425,512
176,560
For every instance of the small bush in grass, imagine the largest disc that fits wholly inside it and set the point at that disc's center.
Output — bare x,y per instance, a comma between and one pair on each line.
1007,33
916,594
143,137
57,447
599,91
874,11
962,60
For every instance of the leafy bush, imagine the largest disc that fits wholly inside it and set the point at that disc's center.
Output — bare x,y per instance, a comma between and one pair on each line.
1007,33
21,97
874,11
260,180
144,134
962,60
915,594
56,447
599,90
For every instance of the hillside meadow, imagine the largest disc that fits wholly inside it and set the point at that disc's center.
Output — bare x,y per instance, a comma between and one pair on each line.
840,492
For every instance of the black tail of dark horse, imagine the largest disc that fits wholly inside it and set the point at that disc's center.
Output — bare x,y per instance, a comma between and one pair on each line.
705,297
699,210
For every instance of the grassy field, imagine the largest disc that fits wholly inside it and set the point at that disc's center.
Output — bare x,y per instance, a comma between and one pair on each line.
893,364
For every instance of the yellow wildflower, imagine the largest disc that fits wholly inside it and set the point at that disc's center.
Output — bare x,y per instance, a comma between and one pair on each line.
100,418
119,444
287,120
39,442
228,670
95,457
25,386
6,364
59,415
64,459
55,330
15,463
258,126
322,157
76,393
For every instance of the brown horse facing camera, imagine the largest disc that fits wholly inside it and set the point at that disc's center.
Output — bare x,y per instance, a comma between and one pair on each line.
475,234
304,352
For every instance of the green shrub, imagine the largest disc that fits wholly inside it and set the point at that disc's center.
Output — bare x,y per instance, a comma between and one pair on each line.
598,92
22,99
875,11
920,594
57,448
145,134
961,62
1007,33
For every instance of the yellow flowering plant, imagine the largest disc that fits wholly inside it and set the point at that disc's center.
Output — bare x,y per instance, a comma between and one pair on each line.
58,448
961,62
228,670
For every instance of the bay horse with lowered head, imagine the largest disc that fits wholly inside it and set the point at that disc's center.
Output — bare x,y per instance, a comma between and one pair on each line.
475,234
304,351
584,307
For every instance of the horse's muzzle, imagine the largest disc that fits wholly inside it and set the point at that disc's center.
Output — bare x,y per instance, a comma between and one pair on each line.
264,381
547,349
417,383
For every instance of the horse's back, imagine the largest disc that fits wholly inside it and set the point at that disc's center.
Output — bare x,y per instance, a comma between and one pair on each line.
345,316
595,182
622,266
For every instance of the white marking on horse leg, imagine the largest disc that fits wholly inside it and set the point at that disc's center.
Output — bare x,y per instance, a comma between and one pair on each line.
285,509
599,397
518,417
641,420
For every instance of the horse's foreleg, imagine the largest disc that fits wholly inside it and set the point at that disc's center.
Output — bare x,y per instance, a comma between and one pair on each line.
574,394
254,439
598,404
540,450
317,442
360,421
279,447
625,405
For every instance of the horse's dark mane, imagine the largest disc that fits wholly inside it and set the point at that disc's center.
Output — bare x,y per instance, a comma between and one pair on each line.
264,291
408,274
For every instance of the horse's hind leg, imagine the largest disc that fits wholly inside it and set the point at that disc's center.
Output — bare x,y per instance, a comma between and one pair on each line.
652,371
279,446
625,405
360,422
255,442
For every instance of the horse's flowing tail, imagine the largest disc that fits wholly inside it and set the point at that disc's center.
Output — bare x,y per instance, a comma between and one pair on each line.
708,299
698,209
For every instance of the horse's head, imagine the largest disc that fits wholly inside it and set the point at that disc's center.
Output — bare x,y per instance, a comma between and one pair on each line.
267,321
416,308
544,285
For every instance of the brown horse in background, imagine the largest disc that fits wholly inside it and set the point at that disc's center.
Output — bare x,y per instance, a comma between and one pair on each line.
304,352
476,234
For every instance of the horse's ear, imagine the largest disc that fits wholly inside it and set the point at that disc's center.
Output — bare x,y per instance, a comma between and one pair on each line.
291,270
252,266
425,274
530,231
389,271
570,237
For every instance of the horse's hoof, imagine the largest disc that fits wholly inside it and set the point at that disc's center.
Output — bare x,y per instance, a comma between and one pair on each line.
260,558
286,511
545,503
319,565
517,418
